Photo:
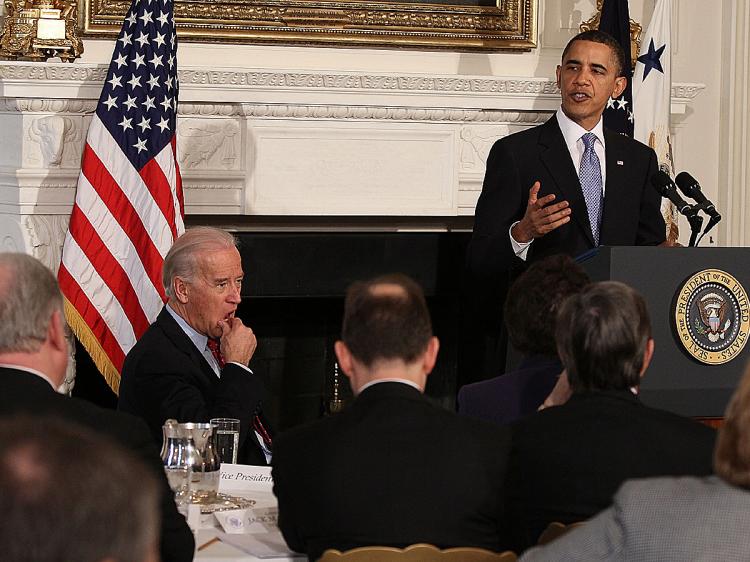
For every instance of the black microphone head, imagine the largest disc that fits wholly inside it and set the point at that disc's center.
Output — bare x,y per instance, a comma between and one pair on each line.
688,184
665,186
662,182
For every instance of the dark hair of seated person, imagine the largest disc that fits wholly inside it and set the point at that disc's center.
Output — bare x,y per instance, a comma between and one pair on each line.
534,299
602,335
386,318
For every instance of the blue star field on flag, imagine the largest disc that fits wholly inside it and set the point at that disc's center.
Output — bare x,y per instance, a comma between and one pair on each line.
138,104
615,20
651,60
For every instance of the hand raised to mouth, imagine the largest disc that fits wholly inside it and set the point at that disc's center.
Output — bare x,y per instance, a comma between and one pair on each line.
238,341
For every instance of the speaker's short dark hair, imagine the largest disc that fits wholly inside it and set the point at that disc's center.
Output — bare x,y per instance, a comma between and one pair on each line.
602,333
533,301
386,325
597,36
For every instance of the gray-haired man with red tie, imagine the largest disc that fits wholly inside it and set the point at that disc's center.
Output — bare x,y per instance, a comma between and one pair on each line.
191,364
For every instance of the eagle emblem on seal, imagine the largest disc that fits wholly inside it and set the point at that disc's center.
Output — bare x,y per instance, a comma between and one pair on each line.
713,311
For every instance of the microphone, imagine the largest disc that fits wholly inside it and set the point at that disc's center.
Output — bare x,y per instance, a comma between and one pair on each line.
666,187
691,188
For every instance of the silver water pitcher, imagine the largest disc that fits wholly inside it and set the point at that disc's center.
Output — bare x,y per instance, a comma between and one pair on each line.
190,460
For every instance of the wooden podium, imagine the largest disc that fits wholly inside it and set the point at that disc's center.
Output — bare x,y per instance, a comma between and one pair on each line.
676,380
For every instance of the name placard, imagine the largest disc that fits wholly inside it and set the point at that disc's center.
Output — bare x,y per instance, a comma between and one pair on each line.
249,521
241,477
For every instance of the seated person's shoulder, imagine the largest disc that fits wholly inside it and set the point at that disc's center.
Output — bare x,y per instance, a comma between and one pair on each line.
684,422
480,429
124,426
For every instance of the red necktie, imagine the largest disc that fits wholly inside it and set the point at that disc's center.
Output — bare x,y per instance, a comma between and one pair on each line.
215,347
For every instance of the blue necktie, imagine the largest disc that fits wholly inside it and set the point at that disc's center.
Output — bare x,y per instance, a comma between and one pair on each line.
590,174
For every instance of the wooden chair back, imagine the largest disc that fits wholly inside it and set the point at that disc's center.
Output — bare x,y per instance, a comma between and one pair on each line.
416,553
555,530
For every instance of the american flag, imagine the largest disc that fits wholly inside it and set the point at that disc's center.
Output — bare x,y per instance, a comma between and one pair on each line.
129,205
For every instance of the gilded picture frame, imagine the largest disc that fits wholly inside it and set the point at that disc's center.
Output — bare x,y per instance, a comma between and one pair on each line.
472,25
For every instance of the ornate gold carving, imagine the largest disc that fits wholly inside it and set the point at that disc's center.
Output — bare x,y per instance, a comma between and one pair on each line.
511,24
40,29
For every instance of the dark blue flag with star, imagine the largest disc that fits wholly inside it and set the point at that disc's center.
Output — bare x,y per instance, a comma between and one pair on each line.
615,20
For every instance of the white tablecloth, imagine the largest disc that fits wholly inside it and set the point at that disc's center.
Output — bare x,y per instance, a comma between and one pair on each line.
250,482
221,552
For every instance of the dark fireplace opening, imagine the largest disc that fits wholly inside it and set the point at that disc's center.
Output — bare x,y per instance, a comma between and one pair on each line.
296,360
293,300
294,289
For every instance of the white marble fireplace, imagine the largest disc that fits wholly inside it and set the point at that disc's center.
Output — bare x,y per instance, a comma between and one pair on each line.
275,144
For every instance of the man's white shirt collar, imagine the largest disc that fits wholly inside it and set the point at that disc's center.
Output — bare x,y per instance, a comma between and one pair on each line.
198,339
201,343
378,381
572,131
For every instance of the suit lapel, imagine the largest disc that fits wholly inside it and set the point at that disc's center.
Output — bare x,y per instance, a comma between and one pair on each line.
180,340
615,191
556,158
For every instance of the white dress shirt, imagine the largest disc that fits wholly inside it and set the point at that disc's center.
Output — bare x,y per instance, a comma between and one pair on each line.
201,343
572,133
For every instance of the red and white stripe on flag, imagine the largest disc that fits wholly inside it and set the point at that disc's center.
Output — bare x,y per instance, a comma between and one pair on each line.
129,204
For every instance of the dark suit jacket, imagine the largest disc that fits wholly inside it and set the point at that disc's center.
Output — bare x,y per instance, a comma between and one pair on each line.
511,396
567,462
393,469
24,392
165,376
631,215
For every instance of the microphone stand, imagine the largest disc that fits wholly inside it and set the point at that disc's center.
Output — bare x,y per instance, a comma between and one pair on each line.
695,221
713,221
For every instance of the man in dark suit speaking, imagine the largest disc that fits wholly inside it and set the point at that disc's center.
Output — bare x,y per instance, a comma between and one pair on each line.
393,469
191,364
33,360
568,185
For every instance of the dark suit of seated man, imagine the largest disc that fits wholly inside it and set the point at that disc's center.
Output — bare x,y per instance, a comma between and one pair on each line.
33,360
393,469
673,519
569,460
529,315
191,364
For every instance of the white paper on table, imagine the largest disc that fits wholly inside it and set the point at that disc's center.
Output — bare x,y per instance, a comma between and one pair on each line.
249,521
269,545
238,478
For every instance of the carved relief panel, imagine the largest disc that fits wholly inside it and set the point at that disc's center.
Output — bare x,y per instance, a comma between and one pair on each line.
209,144
53,141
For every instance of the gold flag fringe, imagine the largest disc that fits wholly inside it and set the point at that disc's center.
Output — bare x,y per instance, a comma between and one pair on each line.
84,334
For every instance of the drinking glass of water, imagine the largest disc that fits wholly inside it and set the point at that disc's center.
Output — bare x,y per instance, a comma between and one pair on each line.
227,438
